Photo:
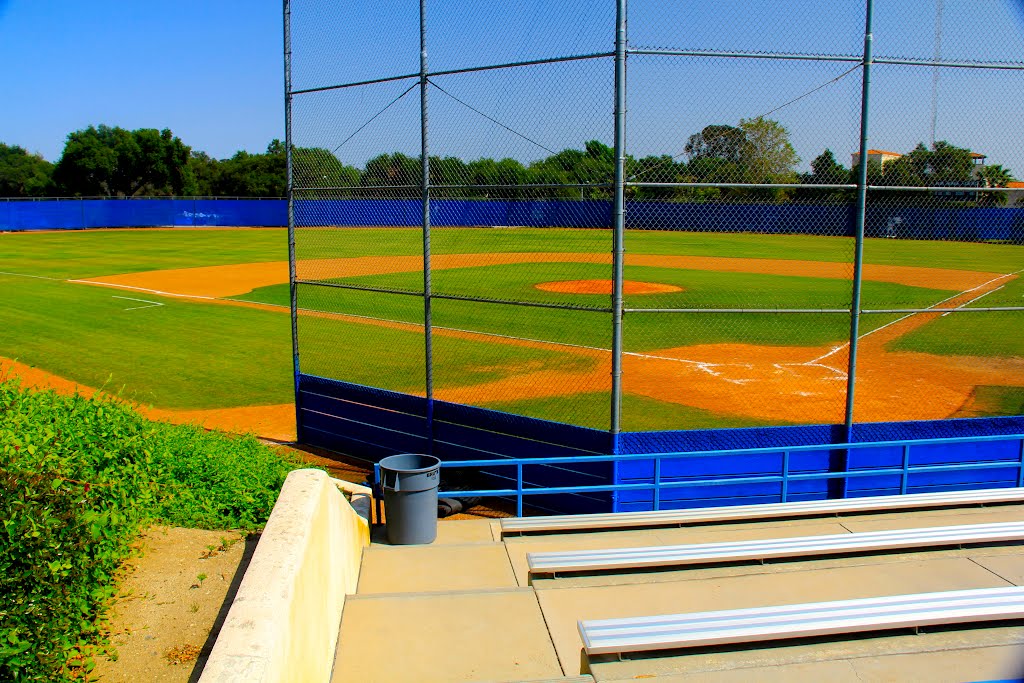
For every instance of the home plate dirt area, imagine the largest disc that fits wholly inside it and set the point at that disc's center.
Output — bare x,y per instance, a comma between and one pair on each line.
772,383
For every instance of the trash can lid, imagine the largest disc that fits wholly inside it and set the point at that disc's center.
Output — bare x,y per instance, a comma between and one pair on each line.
412,463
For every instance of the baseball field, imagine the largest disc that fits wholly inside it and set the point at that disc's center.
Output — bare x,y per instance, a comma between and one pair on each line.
193,322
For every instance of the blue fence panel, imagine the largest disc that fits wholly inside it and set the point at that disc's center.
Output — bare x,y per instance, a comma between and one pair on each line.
736,217
369,424
235,212
357,212
102,213
465,432
826,460
727,439
723,468
45,215
885,220
937,429
372,423
962,224
74,214
363,422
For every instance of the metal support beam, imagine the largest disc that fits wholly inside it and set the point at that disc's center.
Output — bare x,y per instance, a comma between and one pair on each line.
292,286
862,185
464,70
618,218
425,165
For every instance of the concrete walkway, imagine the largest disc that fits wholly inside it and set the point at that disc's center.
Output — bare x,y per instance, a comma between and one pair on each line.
463,609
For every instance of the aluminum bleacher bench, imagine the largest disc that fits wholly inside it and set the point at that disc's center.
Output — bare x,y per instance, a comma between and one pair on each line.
640,634
733,513
799,547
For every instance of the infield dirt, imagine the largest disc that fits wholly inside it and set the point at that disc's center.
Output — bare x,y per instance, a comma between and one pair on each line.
605,287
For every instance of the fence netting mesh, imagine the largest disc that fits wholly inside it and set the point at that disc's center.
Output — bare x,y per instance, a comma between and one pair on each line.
743,299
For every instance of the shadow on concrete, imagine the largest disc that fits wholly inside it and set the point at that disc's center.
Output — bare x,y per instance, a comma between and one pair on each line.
204,654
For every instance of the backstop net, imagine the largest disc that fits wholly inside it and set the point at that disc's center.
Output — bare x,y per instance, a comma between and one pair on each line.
666,216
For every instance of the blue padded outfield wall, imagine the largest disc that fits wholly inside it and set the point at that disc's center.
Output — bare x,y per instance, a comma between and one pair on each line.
962,224
78,214
372,423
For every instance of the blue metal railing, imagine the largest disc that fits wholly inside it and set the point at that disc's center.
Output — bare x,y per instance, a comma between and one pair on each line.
784,478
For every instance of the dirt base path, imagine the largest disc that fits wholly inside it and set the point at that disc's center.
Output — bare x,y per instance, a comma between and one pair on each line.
234,280
274,422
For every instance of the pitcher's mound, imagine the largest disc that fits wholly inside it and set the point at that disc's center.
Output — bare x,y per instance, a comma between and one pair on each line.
605,287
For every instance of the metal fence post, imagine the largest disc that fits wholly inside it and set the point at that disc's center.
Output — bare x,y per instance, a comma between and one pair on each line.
618,219
292,286
427,293
862,194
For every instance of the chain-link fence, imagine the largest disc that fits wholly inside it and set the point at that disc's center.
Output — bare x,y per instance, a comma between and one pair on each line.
676,216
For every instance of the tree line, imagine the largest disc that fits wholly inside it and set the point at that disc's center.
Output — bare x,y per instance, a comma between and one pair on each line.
110,161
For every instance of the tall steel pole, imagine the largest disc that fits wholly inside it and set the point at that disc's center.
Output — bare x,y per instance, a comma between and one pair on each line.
425,164
618,218
293,302
862,194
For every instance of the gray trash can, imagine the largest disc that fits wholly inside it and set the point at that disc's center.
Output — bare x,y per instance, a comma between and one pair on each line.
410,483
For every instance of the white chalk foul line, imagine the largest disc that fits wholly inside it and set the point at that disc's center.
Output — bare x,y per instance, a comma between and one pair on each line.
911,315
158,292
977,298
152,304
34,277
702,366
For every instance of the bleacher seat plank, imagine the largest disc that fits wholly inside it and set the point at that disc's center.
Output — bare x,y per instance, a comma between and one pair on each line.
774,548
809,508
640,634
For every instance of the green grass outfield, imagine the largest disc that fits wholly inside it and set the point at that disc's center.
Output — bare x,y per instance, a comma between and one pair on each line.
193,354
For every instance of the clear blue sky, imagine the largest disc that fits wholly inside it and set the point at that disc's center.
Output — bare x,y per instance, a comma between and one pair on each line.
212,72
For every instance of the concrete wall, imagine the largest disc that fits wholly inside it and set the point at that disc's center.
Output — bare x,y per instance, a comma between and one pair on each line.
283,624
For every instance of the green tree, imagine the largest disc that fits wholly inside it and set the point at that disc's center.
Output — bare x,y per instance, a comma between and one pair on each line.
825,170
950,165
112,161
655,169
318,167
942,165
994,176
253,175
711,170
493,175
593,165
23,174
551,172
717,142
449,171
396,175
202,175
766,153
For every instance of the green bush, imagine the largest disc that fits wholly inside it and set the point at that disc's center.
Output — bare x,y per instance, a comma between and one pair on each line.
79,479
